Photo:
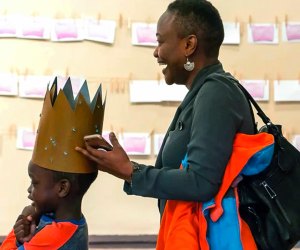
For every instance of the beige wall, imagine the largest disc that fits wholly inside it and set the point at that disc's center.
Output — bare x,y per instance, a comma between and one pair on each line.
107,208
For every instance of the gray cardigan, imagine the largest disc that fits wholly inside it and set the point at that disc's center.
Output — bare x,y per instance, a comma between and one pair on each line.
204,127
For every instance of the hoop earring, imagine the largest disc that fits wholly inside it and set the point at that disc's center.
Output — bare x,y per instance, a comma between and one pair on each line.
189,66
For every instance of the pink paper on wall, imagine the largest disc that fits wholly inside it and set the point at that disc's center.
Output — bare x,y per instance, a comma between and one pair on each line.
7,27
134,144
146,35
6,30
262,33
34,29
28,139
255,89
25,138
293,32
65,30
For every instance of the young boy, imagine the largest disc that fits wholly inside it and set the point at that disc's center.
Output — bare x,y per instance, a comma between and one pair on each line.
59,175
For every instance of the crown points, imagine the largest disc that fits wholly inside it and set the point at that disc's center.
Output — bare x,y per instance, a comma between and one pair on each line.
64,121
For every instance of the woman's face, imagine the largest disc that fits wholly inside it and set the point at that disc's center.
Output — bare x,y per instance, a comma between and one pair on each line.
42,190
170,51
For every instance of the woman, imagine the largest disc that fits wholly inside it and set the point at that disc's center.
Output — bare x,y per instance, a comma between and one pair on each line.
189,35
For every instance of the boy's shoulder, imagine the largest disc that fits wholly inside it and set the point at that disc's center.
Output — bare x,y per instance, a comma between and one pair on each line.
61,234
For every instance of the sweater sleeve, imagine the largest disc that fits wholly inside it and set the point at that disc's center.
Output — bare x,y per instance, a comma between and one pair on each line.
219,112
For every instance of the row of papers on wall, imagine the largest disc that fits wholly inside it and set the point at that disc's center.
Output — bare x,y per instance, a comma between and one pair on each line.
144,34
133,143
143,91
33,86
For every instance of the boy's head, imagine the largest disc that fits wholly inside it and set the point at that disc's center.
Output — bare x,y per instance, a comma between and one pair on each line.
48,187
59,174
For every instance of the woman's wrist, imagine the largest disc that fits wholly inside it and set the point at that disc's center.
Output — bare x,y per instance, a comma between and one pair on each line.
135,168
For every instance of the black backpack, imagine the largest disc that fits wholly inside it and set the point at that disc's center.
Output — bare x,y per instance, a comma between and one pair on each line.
270,200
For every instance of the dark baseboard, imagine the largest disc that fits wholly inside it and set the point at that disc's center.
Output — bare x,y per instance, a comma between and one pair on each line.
123,241
119,241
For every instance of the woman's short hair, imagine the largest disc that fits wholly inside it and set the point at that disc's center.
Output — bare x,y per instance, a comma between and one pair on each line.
201,18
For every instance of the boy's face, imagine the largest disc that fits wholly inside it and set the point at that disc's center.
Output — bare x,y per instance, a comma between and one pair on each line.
43,189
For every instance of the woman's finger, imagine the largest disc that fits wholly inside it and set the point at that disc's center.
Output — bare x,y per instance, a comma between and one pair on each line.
113,139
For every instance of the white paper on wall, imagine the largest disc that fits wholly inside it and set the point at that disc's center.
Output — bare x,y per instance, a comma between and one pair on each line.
100,30
8,84
296,141
158,139
144,91
172,93
232,33
287,91
32,86
76,82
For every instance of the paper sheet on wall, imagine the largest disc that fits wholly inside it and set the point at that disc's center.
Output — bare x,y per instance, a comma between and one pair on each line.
287,91
100,30
232,33
263,33
136,143
258,89
158,139
64,30
8,25
291,31
25,138
144,91
143,34
32,86
172,93
76,82
34,27
151,91
296,141
8,84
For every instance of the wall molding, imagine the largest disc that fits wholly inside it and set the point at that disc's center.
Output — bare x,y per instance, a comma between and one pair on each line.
120,241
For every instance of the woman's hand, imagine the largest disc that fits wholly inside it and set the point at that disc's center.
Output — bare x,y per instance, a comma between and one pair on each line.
26,223
115,162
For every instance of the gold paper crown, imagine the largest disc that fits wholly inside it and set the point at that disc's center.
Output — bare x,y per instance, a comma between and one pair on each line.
64,122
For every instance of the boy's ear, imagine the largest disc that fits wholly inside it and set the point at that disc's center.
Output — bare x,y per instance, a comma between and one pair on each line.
64,187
